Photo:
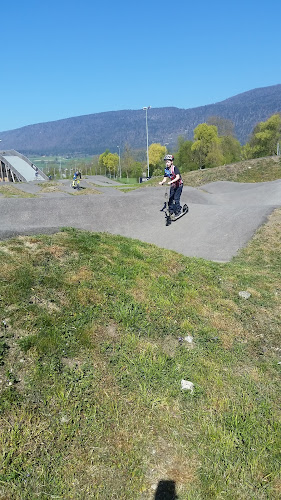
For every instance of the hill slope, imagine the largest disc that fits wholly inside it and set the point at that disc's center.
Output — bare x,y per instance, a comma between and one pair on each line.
92,134
97,334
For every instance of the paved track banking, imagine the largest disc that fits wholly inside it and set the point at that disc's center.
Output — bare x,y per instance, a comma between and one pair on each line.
222,217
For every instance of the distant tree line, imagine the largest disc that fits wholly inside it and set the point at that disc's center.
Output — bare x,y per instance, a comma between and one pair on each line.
214,144
108,164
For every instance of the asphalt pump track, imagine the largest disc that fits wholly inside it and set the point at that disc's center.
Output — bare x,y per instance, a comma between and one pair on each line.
222,218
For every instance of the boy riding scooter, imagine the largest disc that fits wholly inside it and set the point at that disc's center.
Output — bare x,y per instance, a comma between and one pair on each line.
176,184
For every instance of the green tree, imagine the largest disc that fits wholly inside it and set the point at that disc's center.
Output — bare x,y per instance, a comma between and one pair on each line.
184,157
156,154
101,164
265,137
111,161
206,146
214,157
158,172
231,149
247,152
127,162
137,169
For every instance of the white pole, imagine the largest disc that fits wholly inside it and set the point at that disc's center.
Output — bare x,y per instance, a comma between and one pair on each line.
146,108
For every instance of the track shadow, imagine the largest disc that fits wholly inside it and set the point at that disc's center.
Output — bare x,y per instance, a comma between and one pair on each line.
166,490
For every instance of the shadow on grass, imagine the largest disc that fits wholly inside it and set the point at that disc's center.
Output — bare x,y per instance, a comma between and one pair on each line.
166,490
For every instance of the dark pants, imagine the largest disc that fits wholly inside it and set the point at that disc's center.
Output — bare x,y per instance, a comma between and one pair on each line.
174,200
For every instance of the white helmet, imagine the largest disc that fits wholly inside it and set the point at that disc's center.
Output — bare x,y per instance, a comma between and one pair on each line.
168,157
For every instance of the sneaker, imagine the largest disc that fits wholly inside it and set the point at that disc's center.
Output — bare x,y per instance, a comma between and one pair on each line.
172,216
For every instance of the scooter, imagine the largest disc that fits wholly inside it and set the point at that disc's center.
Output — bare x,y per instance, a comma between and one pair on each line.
169,216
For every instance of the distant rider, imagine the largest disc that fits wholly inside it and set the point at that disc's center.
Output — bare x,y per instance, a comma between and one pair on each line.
176,184
76,179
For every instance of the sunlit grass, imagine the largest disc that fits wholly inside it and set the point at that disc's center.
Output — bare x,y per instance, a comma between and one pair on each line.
92,354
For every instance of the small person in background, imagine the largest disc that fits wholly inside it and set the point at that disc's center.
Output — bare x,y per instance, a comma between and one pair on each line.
77,174
76,179
176,184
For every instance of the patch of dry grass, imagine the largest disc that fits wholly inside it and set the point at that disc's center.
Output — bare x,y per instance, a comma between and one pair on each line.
84,191
9,190
50,187
256,170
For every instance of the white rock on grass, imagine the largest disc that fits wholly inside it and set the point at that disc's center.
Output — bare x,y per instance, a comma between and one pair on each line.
189,339
244,294
64,419
186,385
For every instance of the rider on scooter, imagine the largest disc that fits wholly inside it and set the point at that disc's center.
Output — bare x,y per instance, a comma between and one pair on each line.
176,184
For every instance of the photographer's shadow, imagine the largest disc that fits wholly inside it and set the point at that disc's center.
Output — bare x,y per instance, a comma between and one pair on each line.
166,490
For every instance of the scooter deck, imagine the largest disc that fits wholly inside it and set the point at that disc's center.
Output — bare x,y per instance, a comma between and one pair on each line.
169,219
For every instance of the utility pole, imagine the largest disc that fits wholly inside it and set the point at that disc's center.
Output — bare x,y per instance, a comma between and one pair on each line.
146,108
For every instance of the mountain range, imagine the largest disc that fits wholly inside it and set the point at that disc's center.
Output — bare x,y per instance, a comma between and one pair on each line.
94,133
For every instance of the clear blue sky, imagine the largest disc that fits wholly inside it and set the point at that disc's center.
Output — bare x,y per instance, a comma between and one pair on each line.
68,58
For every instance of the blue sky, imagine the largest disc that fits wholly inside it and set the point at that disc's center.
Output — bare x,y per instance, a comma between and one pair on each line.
69,58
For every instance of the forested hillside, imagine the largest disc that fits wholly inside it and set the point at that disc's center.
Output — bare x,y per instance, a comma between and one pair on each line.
94,133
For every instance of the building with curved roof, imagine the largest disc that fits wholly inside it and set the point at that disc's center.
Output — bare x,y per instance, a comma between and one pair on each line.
15,167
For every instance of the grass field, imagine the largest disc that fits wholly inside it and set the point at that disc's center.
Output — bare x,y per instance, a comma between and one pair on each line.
257,170
60,166
93,351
